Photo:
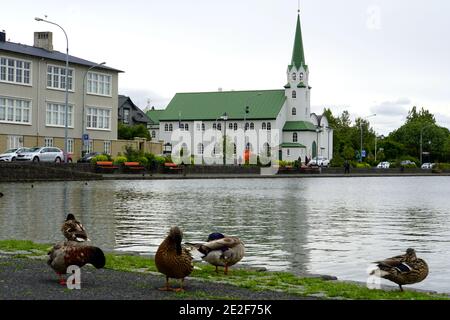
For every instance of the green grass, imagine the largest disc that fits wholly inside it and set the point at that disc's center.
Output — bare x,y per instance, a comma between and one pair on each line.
252,280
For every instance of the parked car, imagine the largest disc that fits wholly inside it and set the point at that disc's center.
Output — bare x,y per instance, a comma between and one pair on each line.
408,163
428,165
319,161
383,165
44,154
11,154
88,156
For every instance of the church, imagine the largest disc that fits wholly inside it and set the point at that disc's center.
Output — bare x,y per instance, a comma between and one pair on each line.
302,134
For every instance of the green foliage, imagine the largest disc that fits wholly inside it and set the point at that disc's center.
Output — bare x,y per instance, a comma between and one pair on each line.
284,163
132,154
160,160
120,160
126,132
143,161
364,165
100,157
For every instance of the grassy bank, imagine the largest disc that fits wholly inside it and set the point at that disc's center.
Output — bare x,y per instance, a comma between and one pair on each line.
252,280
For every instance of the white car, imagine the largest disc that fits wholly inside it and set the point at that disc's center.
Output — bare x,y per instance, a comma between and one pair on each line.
383,165
11,154
319,161
428,165
44,154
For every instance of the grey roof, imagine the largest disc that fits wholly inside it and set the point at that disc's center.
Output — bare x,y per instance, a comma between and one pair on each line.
53,55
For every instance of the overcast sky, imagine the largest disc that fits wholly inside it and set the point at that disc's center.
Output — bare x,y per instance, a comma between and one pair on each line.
377,56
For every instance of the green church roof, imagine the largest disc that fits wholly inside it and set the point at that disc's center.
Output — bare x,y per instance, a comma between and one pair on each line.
298,54
299,126
292,145
155,115
203,106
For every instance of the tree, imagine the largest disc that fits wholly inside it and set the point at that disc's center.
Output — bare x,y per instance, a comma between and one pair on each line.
130,132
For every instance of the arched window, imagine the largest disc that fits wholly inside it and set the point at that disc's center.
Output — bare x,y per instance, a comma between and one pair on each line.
294,94
294,111
294,137
203,127
181,126
288,152
248,146
200,148
269,126
153,134
166,127
235,126
301,75
314,149
294,76
263,126
252,126
214,126
186,127
246,126
230,126
170,127
219,126
198,127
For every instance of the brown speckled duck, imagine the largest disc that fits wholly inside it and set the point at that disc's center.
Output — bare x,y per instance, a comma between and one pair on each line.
403,269
73,230
220,250
173,260
69,253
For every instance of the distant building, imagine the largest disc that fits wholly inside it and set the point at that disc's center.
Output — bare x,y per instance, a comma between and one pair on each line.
32,98
130,114
154,116
303,133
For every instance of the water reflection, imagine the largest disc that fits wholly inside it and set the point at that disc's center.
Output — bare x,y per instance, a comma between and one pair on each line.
333,226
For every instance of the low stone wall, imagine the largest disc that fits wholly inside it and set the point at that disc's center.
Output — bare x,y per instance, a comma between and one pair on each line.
222,170
16,171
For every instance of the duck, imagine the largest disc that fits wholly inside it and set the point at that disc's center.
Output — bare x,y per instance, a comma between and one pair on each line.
67,253
174,260
222,251
73,230
403,269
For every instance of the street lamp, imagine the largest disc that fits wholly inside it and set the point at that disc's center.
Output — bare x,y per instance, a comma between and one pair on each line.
317,144
83,127
224,117
360,128
67,86
421,136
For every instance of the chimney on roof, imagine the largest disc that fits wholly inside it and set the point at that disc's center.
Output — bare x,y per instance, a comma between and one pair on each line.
44,40
220,89
2,36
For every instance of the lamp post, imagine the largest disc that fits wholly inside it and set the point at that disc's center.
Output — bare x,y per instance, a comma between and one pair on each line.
224,117
421,136
83,127
66,84
360,127
317,144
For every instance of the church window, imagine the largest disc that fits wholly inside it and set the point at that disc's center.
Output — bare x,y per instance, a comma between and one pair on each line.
294,76
235,126
294,94
219,127
301,75
294,111
269,126
186,127
214,126
294,137
263,126
230,126
288,152
181,126
203,127
166,127
200,148
252,126
246,126
170,127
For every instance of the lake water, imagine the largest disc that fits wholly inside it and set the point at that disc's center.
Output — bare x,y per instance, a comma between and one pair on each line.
334,226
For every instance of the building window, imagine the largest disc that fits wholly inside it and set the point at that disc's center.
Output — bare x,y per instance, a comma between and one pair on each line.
98,118
56,78
166,127
90,146
235,126
48,142
301,75
56,115
203,127
252,126
126,116
246,126
170,127
15,142
186,127
153,134
214,126
70,145
198,126
15,110
294,137
99,83
200,148
107,147
269,126
234,148
288,152
263,126
219,127
230,126
181,126
294,76
294,94
294,111
16,71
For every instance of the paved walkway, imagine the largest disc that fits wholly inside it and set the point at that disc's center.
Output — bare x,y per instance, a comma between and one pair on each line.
25,278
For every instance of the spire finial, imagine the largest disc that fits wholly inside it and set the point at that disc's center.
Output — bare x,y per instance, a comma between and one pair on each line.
298,10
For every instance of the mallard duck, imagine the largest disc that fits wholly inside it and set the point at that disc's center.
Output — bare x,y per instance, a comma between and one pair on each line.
73,230
173,260
69,253
221,251
403,269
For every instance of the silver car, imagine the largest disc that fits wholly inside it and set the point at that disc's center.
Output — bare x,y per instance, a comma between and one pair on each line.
11,154
44,154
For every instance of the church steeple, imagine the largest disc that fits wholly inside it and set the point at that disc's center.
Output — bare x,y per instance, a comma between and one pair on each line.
298,55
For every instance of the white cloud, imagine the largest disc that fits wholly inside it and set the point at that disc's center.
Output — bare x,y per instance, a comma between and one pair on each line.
392,108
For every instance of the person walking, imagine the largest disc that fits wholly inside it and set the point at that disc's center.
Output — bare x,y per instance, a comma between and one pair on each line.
346,167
